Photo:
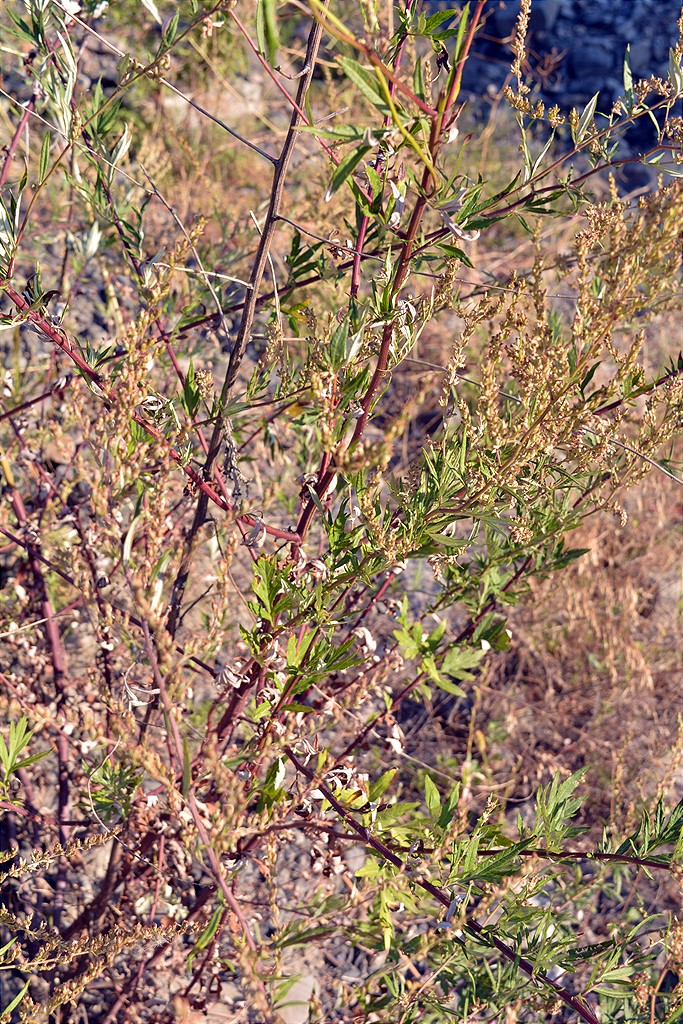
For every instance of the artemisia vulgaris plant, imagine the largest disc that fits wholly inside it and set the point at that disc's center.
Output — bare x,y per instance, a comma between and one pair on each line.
255,517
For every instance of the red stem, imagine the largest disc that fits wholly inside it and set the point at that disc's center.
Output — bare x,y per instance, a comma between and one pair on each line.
14,143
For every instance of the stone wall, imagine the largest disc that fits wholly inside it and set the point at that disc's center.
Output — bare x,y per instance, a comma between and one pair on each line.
576,47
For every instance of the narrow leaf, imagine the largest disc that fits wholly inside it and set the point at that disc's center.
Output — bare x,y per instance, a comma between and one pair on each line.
15,1002
586,119
366,81
345,169
152,8
432,798
187,767
44,158
266,30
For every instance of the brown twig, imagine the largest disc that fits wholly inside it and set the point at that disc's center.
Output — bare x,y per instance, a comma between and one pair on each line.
243,333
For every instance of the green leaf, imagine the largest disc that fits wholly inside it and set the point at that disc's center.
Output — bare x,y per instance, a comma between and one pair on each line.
449,687
17,999
556,806
539,159
210,930
5,755
628,79
170,31
130,537
675,72
301,937
585,120
434,20
391,814
432,798
266,30
191,396
459,660
377,789
366,81
187,767
376,183
30,760
454,253
371,869
344,169
44,158
336,349
449,808
462,26
497,867
152,8
436,635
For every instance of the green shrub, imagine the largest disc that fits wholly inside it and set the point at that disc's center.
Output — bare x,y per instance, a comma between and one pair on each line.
281,449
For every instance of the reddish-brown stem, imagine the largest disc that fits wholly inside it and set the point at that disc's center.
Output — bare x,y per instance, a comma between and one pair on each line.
14,142
467,44
176,752
427,185
295,104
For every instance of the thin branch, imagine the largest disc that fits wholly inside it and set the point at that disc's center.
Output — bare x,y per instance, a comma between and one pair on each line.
243,333
100,388
14,142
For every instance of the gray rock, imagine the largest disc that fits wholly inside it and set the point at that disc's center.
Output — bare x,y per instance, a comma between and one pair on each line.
613,88
504,18
596,14
626,30
660,47
590,60
544,14
641,57
295,1006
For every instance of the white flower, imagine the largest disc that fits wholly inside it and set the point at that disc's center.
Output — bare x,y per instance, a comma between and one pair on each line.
466,236
226,677
368,644
395,739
